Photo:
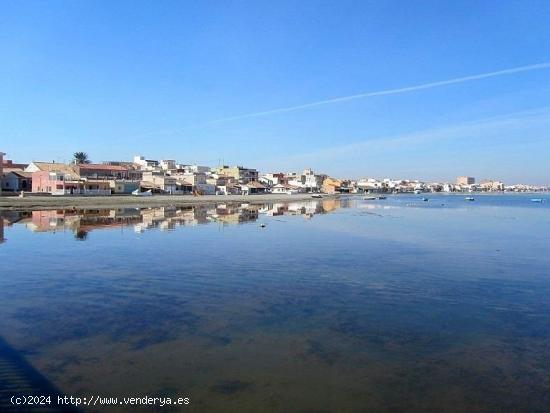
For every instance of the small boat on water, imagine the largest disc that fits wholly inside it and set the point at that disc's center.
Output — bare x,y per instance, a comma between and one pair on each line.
316,196
425,199
137,192
370,198
381,197
539,200
417,191
469,198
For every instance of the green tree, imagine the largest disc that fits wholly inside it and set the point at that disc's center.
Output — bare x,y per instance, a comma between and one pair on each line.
80,157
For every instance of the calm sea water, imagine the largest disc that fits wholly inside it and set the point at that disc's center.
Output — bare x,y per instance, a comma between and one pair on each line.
395,305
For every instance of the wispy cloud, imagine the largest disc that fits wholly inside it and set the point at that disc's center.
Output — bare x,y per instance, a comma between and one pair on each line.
396,91
386,92
493,129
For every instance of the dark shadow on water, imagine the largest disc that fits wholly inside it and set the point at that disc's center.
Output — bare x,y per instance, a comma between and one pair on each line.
19,378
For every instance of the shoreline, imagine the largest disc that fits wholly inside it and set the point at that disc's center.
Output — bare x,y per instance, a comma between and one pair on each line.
34,203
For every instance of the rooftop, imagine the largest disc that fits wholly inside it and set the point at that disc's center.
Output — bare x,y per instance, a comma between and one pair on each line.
19,173
254,184
55,167
103,167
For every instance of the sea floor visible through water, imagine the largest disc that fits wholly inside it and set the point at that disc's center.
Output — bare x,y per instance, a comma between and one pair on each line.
336,305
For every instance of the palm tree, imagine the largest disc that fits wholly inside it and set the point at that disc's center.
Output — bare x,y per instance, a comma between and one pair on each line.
81,157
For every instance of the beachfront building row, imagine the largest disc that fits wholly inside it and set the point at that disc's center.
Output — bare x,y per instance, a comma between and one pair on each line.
170,177
122,177
292,183
462,184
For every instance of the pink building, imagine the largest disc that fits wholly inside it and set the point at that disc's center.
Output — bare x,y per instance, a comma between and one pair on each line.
62,179
60,183
53,182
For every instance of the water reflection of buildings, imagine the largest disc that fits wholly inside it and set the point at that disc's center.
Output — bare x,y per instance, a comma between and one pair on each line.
167,218
235,214
82,222
307,208
9,218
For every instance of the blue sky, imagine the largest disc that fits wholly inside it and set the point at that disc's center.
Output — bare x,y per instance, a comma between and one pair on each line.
120,78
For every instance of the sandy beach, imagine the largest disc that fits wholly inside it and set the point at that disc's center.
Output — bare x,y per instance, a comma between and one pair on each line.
82,202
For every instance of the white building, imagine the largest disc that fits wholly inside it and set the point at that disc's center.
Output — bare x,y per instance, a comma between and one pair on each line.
167,164
312,181
369,184
287,189
492,186
271,179
308,180
448,187
145,164
194,169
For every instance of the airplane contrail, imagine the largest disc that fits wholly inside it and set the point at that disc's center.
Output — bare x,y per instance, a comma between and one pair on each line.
386,92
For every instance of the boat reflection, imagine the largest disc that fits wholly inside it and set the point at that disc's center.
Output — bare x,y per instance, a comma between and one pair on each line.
82,222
